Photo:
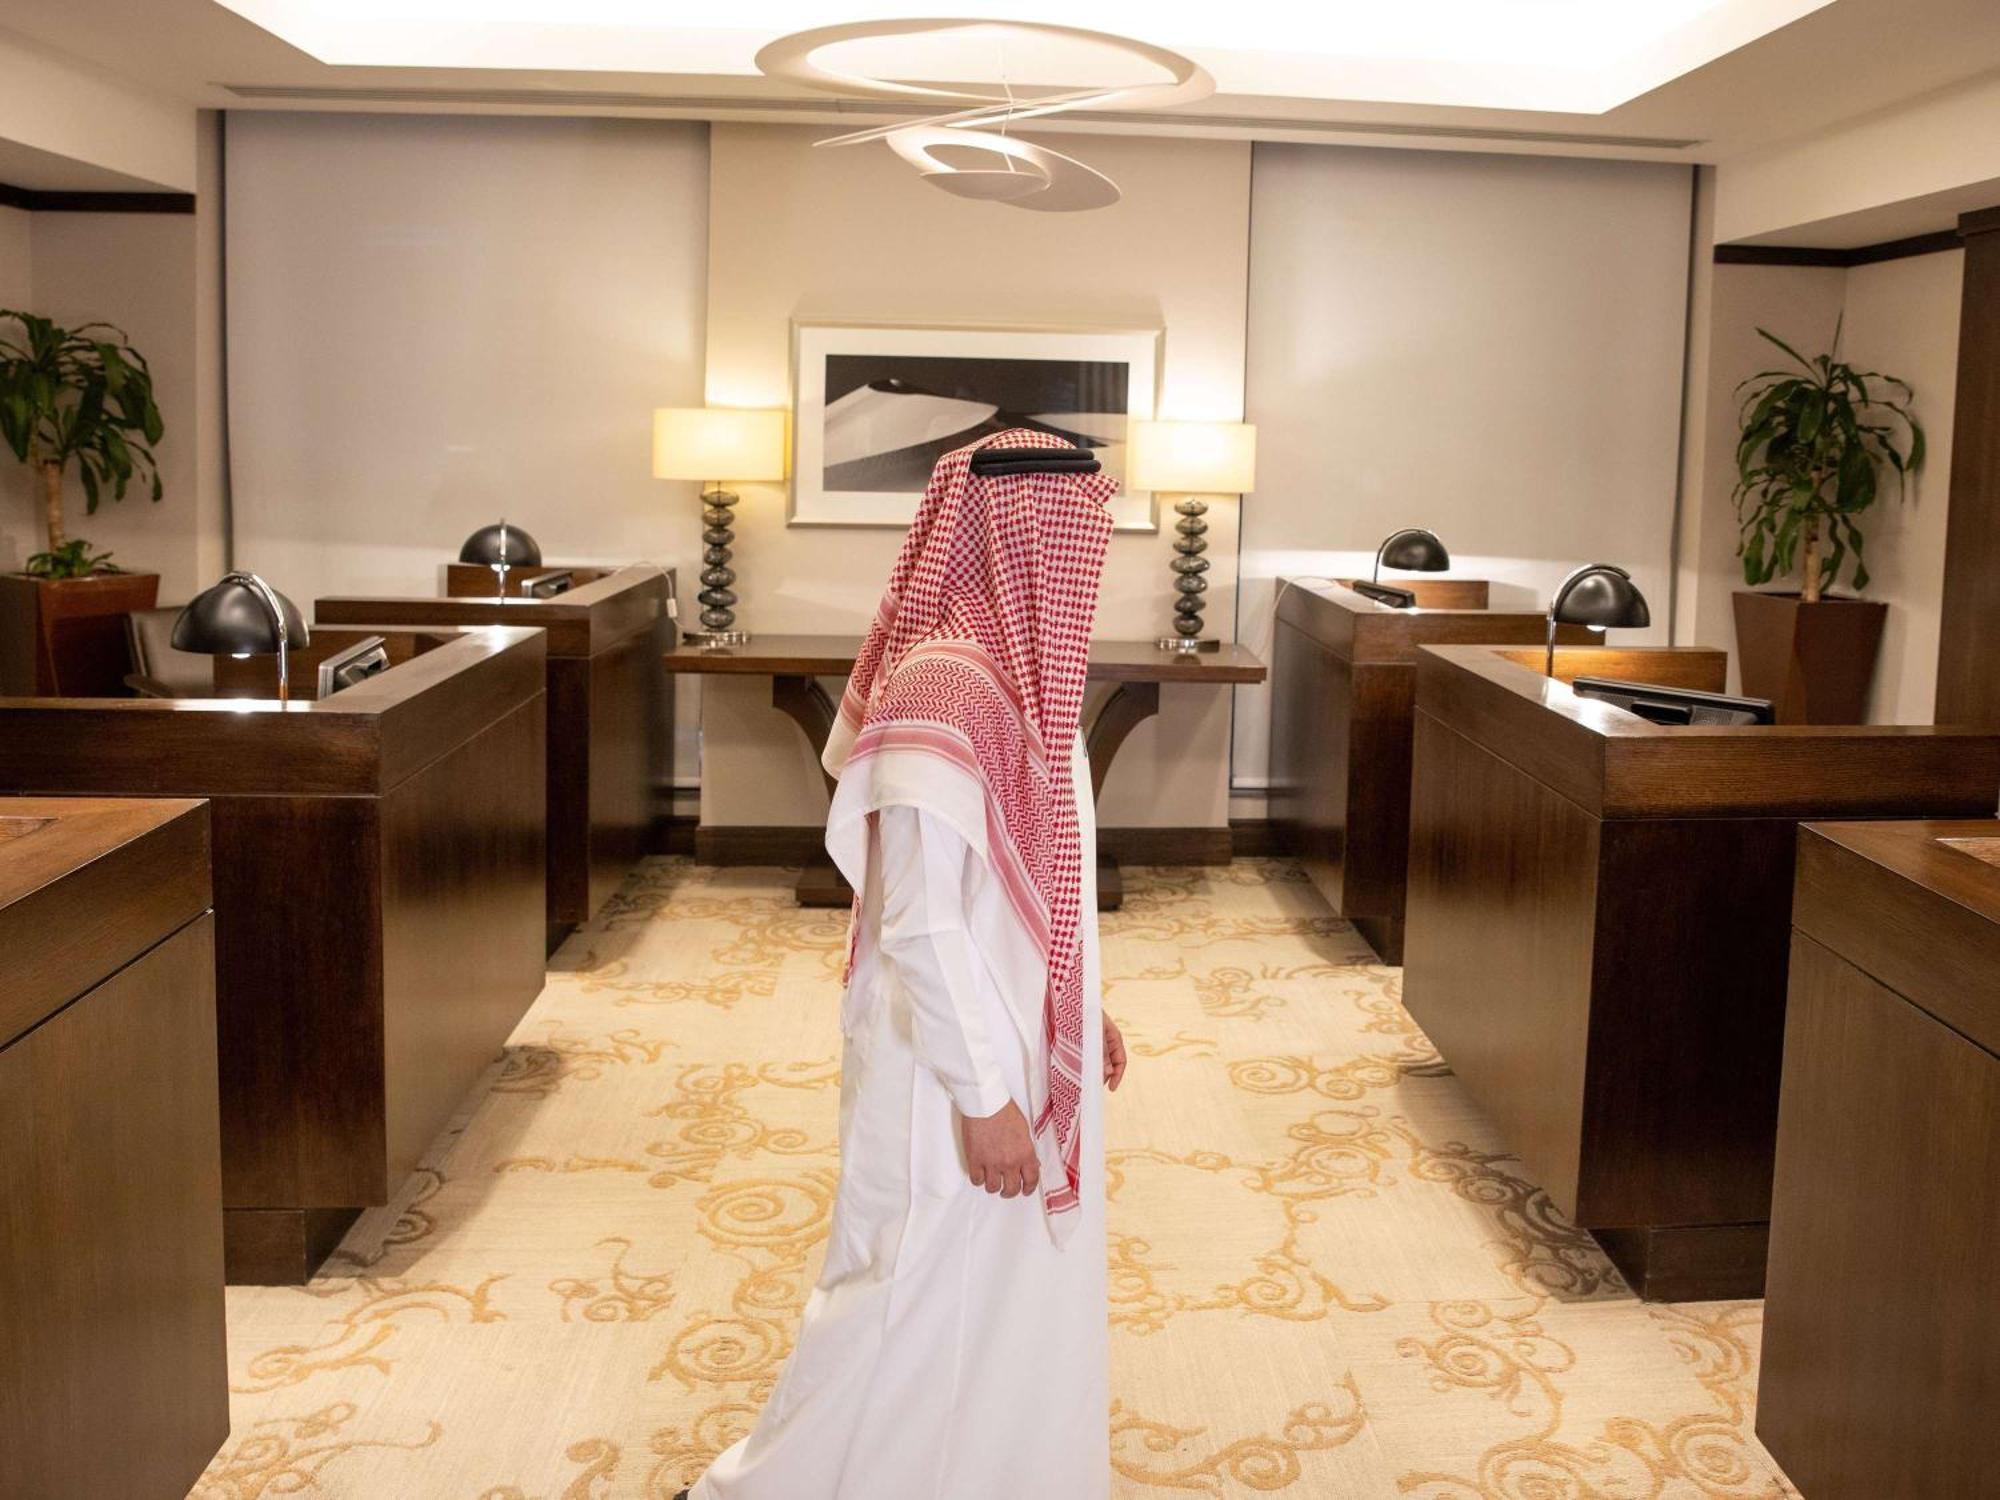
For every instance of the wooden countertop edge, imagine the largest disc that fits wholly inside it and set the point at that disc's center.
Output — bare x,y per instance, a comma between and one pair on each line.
122,877
807,658
1616,765
1887,898
579,623
360,743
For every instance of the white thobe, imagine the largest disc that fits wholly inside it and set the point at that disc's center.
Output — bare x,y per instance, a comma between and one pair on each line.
950,1350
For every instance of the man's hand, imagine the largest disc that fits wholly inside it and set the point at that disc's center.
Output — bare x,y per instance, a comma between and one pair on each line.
1000,1153
1114,1054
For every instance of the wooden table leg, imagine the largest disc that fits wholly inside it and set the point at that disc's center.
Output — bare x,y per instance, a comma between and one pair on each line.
806,704
1129,705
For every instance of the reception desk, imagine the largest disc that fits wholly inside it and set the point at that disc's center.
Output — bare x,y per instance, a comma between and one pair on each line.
1343,701
379,872
1599,924
113,1379
610,711
1880,1370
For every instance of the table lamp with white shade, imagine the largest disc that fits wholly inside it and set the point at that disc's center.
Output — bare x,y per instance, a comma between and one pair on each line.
712,444
1191,459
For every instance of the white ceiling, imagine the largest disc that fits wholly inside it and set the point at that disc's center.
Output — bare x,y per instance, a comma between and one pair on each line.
1560,55
1673,80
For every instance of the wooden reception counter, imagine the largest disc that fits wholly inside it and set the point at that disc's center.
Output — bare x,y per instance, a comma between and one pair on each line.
113,1379
1343,699
610,710
1599,921
1880,1371
378,908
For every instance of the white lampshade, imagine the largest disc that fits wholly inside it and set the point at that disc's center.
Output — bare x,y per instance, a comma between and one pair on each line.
718,442
1192,458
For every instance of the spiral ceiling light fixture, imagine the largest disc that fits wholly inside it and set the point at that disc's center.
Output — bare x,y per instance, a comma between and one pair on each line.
1020,173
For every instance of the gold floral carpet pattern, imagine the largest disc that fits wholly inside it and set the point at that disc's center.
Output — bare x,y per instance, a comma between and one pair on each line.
1328,1278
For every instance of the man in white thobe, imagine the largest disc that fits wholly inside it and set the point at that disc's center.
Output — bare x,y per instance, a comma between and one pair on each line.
955,1345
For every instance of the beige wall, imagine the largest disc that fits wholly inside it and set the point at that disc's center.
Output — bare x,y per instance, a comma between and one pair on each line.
852,233
1902,318
1800,304
144,273
137,271
17,292
1899,316
434,322
437,321
14,251
1488,346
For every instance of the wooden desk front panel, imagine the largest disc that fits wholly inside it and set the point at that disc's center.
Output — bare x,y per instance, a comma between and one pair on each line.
463,905
1612,989
1368,758
114,1380
1881,1349
610,712
1340,747
1342,716
298,948
1687,1020
328,846
604,785
1310,687
367,947
1497,964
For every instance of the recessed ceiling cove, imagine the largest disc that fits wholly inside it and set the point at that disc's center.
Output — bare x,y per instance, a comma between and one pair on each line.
1567,56
968,150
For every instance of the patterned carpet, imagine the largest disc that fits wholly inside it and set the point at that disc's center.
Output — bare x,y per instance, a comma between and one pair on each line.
1328,1278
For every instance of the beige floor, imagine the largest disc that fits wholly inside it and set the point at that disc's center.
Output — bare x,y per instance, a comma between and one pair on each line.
1328,1278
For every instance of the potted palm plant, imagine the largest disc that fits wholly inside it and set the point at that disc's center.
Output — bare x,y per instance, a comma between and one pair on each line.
1812,445
73,398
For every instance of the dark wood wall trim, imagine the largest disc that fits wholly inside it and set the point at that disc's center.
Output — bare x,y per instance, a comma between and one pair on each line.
44,200
1858,255
1779,255
1968,661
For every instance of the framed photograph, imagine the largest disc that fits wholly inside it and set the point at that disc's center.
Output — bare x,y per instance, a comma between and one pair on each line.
876,406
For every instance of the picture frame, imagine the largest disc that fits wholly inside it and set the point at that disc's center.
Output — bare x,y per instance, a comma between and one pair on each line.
874,405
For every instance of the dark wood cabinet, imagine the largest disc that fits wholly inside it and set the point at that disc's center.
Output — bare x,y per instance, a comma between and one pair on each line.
379,907
66,636
1599,926
113,1379
610,710
1343,703
1880,1371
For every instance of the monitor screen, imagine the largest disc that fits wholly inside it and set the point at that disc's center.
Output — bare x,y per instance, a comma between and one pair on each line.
1672,705
547,585
1383,593
352,664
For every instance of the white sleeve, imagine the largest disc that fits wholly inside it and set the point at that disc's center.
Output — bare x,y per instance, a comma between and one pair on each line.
925,944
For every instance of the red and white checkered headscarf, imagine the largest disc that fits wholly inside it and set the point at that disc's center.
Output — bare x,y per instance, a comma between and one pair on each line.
976,659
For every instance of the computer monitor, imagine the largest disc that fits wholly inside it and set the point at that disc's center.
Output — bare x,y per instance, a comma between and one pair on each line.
547,585
352,664
1383,593
1673,705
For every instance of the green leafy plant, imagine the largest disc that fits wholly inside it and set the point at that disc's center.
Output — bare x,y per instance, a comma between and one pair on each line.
81,396
1810,448
71,560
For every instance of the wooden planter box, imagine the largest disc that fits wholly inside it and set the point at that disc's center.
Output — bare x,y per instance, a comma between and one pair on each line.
1814,661
65,637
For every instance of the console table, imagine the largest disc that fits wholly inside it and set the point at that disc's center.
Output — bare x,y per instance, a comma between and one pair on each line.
796,663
